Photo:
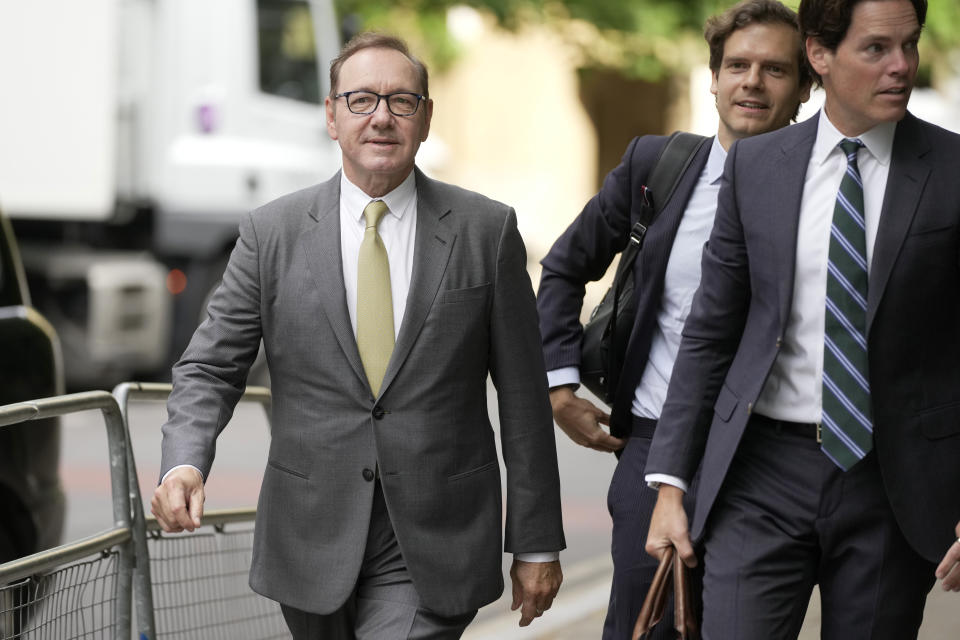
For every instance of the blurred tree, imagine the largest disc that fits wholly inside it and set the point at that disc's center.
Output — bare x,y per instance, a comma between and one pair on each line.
643,49
646,39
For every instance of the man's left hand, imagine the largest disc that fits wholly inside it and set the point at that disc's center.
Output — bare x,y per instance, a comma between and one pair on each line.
949,569
535,584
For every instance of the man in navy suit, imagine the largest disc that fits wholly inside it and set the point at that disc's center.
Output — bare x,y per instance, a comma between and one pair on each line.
817,386
759,82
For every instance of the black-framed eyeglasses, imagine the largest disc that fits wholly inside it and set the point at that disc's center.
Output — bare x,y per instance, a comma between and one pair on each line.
400,103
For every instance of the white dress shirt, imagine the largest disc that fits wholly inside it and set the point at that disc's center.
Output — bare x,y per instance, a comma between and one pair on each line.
681,279
397,229
793,390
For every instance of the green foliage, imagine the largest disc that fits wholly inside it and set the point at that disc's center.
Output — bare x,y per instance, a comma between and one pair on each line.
640,38
943,24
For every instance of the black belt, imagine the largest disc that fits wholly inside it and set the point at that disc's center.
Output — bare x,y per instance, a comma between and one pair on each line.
642,427
806,429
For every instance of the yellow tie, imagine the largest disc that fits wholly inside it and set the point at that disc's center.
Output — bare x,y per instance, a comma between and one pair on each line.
374,300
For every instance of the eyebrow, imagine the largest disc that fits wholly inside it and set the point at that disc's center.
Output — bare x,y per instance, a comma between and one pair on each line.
369,90
768,61
877,37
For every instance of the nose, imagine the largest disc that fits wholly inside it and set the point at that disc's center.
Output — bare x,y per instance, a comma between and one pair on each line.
899,62
382,113
753,77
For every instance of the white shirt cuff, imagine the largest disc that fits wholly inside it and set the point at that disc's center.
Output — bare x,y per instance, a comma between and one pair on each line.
545,556
654,480
562,376
179,466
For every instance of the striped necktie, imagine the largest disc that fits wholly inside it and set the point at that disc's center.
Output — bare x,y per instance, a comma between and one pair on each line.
848,429
374,299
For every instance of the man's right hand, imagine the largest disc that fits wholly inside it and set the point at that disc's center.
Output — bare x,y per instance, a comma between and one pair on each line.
580,419
668,526
178,502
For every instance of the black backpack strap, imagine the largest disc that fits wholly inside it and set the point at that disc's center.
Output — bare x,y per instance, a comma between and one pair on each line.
673,161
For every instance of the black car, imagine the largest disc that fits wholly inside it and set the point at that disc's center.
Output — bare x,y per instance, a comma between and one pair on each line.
31,496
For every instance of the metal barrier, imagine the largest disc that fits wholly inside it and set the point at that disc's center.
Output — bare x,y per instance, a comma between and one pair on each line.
198,584
81,589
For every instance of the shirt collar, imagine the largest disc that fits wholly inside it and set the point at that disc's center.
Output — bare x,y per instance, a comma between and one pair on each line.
715,161
878,140
353,200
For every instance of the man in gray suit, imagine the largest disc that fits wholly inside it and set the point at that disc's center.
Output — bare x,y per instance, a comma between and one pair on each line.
817,385
380,510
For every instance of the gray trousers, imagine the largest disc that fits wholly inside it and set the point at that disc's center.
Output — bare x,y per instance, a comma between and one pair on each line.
384,605
786,519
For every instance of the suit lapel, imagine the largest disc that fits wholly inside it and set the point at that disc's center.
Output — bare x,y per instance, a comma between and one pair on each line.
320,243
432,247
788,176
908,175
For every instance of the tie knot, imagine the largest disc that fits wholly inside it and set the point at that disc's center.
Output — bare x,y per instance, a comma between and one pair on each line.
374,212
850,147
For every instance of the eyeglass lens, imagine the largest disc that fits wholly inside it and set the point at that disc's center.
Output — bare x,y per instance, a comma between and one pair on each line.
400,104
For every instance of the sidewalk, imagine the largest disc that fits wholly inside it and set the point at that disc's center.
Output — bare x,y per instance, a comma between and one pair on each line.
577,612
580,607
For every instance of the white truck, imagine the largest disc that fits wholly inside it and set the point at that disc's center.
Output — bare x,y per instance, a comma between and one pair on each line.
133,134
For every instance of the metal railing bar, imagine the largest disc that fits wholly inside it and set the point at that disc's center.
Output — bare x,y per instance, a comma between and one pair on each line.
57,556
213,518
119,454
143,591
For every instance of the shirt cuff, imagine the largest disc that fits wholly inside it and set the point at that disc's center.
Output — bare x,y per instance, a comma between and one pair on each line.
563,376
172,469
544,556
654,480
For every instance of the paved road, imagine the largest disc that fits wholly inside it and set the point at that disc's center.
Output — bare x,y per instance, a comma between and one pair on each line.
578,611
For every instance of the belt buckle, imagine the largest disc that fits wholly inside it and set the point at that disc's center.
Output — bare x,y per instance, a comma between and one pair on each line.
819,437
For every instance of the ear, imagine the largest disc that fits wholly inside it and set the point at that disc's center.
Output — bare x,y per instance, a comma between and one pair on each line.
714,82
819,56
428,115
330,107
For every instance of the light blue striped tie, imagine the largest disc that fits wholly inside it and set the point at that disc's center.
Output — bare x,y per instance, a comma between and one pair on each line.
847,426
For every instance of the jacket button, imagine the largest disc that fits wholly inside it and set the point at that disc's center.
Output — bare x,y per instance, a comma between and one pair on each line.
779,342
378,412
368,475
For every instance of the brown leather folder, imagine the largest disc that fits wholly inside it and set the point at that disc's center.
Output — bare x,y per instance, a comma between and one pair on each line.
671,573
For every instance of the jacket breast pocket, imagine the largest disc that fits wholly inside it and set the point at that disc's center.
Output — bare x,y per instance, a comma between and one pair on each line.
476,292
940,422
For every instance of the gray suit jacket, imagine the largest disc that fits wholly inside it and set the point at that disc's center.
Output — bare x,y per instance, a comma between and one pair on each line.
739,317
470,312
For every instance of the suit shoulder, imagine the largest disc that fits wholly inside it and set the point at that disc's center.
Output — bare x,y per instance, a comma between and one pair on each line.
453,197
302,200
939,136
768,150
287,213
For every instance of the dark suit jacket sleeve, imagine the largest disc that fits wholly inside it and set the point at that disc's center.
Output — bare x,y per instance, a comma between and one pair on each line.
710,338
210,377
585,250
533,521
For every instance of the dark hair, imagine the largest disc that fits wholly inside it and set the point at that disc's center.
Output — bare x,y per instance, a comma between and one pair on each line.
375,40
721,26
828,21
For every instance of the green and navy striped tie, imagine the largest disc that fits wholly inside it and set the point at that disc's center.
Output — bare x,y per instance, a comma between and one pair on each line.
847,427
